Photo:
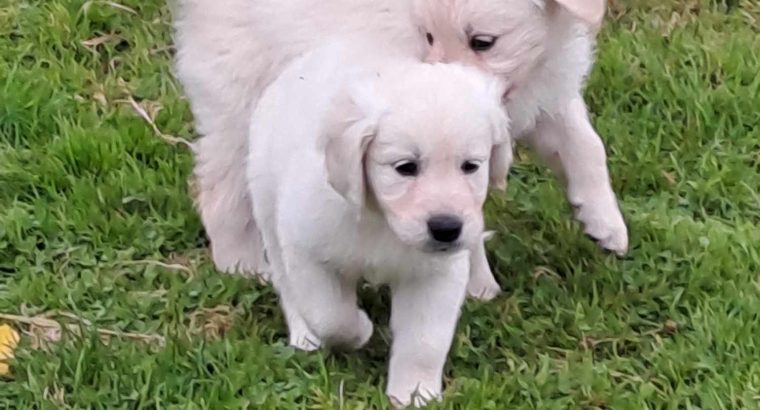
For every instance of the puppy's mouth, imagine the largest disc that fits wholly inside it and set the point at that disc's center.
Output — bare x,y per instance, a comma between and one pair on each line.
442,247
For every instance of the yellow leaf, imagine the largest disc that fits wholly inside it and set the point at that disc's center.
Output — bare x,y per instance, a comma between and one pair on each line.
8,341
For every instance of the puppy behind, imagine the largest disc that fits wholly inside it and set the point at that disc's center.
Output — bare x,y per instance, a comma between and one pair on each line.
544,50
375,166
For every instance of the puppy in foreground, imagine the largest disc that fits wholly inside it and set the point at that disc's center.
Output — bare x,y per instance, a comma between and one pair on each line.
375,166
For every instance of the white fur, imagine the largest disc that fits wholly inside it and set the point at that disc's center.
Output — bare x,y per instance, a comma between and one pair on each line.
325,140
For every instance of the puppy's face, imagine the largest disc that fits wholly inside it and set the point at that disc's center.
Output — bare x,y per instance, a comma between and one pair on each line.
504,37
429,175
427,157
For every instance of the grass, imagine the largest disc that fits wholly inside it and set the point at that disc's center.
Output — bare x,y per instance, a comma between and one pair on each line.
96,223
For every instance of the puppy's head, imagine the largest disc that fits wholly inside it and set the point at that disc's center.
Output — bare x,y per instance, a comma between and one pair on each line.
505,37
425,141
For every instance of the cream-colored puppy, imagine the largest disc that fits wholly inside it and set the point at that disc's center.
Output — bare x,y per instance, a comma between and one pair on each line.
369,164
544,50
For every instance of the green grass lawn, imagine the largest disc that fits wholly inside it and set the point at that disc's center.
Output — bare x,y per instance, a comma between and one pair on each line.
97,231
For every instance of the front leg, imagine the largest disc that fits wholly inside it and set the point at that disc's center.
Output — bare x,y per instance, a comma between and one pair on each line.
323,301
424,315
569,144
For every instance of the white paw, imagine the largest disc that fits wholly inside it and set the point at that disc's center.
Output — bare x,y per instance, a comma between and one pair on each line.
417,396
238,259
349,334
483,289
299,334
481,284
301,337
305,341
604,223
363,332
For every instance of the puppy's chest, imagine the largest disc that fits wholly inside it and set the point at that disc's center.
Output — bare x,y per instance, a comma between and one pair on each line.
376,256
523,109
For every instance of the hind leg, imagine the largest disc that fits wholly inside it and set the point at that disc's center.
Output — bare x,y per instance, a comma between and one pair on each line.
225,205
222,83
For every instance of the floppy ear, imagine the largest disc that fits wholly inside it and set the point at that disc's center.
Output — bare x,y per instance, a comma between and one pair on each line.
344,159
590,11
351,126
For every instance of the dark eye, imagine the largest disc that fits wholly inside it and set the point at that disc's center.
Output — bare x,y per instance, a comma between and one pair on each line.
429,38
482,42
408,169
469,167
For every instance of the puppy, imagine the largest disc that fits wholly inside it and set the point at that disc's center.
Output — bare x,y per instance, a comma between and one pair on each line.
544,50
365,163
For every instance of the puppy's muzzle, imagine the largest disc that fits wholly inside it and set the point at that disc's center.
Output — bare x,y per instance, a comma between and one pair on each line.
445,228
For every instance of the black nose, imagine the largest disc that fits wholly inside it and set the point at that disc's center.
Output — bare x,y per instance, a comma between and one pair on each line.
445,228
